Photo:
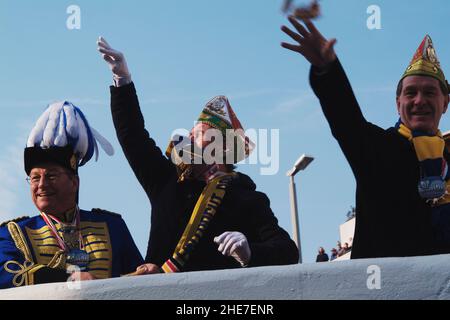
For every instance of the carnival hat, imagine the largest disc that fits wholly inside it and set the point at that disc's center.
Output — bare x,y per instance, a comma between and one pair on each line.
426,63
219,115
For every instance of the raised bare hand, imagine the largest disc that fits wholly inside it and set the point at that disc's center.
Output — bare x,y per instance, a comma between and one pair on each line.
310,43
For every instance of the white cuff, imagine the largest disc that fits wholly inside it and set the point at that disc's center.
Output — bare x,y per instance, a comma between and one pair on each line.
121,81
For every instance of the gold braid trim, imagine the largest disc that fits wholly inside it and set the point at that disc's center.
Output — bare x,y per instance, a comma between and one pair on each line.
19,240
32,271
24,273
58,261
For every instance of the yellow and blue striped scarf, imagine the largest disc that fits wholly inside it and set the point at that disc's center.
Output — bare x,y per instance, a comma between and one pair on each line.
204,211
433,166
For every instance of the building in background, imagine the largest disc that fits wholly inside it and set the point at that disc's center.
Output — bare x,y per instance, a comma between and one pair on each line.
346,233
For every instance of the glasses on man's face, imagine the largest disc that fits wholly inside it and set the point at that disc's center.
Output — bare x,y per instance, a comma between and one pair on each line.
34,179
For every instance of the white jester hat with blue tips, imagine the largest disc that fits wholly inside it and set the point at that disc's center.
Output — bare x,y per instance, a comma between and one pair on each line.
64,126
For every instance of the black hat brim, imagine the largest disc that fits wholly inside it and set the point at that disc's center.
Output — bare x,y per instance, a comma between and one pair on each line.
62,156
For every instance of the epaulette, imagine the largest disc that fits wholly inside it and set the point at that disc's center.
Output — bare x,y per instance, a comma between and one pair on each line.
101,211
14,220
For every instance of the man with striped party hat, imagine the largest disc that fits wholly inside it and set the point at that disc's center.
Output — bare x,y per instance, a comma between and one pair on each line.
403,181
205,216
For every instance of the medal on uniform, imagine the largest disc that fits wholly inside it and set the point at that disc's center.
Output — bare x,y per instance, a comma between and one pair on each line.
75,255
70,235
78,257
432,187
71,241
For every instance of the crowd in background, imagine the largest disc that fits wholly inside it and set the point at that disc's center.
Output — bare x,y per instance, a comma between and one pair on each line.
339,251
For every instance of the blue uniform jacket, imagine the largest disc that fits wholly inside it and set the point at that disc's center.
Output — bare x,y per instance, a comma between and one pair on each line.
29,253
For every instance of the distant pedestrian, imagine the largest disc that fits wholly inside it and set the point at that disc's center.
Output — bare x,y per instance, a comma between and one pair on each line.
322,256
334,254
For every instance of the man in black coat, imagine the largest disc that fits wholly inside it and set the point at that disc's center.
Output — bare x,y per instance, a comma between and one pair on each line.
322,256
401,209
241,229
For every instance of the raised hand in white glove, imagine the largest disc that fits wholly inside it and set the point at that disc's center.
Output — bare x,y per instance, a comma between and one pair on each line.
116,61
234,244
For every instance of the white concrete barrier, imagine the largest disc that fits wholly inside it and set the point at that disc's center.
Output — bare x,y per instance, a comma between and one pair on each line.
391,278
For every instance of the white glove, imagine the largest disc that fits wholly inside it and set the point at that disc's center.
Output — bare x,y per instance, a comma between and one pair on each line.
234,244
116,61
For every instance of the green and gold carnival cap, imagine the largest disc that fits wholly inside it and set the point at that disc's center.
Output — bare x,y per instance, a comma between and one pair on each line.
426,63
219,114
216,114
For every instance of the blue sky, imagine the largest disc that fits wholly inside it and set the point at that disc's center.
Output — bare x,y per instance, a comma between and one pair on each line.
181,54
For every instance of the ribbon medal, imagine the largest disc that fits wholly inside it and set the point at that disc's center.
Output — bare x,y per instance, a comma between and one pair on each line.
71,241
432,187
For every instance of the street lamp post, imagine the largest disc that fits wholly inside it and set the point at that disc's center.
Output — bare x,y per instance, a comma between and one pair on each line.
299,165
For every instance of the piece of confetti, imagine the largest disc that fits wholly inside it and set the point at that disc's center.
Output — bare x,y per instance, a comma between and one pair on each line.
309,12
